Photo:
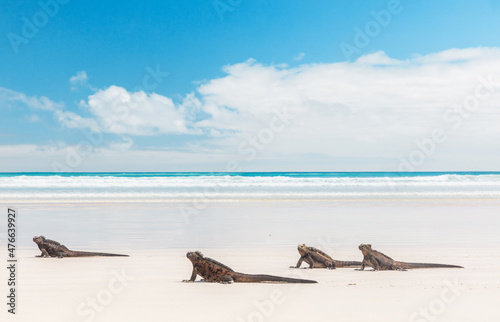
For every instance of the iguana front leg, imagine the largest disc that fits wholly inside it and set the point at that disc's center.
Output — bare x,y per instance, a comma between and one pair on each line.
44,253
363,264
193,276
301,259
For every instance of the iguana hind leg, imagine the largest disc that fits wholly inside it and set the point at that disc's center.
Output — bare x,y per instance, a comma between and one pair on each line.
396,267
226,279
330,265
310,261
375,264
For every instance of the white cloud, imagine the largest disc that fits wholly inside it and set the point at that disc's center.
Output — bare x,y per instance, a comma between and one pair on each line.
377,58
78,80
457,55
118,111
374,107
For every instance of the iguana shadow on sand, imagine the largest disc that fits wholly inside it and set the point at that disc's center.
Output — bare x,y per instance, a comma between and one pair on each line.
380,262
51,248
213,271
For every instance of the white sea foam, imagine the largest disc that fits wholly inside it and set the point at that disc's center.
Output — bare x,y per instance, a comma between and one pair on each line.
244,187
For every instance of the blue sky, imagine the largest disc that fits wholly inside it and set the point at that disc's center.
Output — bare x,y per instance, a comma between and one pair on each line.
208,85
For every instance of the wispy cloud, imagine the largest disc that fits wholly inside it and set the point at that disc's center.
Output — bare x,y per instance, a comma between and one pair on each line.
80,80
33,118
122,145
299,57
32,102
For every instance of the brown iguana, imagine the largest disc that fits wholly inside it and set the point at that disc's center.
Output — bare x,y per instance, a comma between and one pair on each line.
318,259
213,271
379,261
51,248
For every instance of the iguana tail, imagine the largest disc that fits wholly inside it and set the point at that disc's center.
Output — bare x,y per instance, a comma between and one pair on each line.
426,265
347,264
88,254
247,278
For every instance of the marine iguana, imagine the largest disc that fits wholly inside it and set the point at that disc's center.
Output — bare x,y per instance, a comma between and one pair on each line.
318,259
380,261
51,248
213,271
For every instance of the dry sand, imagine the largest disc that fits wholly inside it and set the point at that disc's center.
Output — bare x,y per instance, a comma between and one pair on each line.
147,287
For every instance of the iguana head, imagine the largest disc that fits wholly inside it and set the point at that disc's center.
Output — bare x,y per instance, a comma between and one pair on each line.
302,249
365,248
193,256
38,239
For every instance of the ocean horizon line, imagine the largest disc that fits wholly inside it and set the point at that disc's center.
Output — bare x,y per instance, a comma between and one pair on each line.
249,173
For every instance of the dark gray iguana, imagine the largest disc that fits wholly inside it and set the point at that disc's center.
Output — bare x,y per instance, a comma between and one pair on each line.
51,248
213,271
318,259
379,261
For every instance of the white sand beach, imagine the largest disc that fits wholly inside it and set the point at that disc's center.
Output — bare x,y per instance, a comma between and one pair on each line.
262,239
147,287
